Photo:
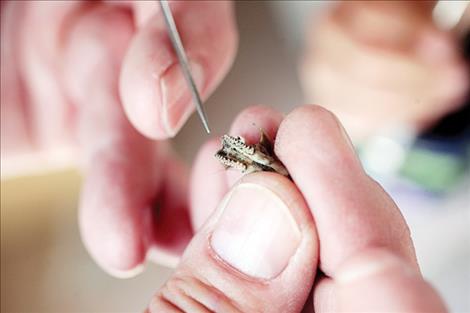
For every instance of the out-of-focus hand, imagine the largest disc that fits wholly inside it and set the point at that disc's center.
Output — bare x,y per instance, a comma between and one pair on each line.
268,238
103,75
383,64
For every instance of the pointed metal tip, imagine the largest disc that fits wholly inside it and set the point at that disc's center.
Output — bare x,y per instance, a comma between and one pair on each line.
206,127
183,60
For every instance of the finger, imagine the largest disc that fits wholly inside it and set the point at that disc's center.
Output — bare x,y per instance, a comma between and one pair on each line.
420,65
15,131
124,209
110,221
217,180
352,212
391,285
171,229
364,240
256,253
442,83
39,39
428,73
155,95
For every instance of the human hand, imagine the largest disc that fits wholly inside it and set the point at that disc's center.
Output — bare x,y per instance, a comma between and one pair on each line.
103,75
382,64
270,240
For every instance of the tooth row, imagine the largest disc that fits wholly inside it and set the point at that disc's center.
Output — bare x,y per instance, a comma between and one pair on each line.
227,161
237,143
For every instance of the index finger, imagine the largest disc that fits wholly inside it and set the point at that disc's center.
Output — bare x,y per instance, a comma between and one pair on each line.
352,212
365,244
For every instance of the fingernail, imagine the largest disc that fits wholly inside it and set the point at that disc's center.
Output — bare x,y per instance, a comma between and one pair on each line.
176,96
255,233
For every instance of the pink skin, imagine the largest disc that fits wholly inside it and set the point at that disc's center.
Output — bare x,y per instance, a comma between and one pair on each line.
97,48
83,64
368,253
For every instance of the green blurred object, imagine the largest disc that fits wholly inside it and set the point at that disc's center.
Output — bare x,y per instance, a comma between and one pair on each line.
435,171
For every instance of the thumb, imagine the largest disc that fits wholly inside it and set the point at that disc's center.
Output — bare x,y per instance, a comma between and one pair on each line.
258,252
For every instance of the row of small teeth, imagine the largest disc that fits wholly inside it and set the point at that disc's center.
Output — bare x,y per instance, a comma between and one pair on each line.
227,161
237,143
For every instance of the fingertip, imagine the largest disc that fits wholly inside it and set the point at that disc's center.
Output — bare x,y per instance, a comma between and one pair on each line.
312,117
255,119
318,132
110,219
121,256
115,245
154,92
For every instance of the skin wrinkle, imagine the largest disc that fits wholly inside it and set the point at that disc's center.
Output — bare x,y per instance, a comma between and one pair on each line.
190,278
161,298
184,283
234,273
174,293
214,294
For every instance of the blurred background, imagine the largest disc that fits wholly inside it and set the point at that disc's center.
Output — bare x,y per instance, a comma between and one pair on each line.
45,268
